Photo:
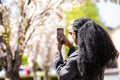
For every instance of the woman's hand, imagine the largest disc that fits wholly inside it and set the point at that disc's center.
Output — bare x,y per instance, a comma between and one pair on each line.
67,42
62,39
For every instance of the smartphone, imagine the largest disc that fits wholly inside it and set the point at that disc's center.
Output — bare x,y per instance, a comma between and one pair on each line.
60,32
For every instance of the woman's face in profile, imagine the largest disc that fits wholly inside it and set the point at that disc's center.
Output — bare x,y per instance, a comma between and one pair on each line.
72,33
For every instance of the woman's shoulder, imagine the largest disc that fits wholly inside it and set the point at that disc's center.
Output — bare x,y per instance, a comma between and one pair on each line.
74,54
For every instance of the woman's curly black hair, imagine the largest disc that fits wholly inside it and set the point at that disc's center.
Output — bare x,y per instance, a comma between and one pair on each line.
95,48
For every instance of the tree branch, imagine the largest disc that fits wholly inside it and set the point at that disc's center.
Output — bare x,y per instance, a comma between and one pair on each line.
29,1
28,25
1,18
29,37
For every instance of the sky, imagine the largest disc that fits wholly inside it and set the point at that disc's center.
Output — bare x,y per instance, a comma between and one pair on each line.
109,13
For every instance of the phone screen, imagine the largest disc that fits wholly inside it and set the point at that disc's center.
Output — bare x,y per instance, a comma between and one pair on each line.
60,31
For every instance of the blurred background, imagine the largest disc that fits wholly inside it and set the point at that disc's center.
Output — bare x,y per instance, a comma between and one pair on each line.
28,34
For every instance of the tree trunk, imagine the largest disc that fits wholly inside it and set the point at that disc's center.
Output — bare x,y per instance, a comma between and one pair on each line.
12,68
13,75
34,75
46,77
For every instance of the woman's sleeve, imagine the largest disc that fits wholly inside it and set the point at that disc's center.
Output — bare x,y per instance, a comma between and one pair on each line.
72,49
66,70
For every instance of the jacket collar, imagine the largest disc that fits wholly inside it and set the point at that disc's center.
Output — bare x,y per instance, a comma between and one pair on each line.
74,54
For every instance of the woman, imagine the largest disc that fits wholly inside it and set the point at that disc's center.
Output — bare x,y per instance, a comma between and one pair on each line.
95,50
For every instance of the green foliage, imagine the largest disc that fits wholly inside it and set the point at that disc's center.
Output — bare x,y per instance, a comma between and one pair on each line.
30,77
0,66
2,78
24,60
6,38
42,73
21,78
53,77
87,9
26,78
